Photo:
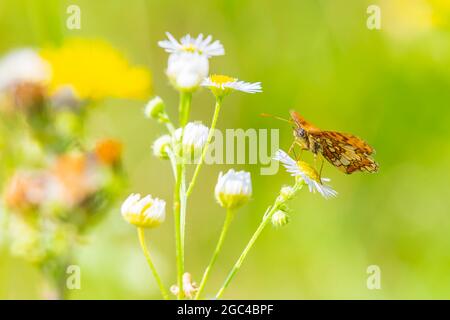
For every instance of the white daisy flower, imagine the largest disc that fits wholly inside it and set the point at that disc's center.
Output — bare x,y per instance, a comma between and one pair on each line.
193,45
307,173
144,212
233,189
23,66
222,85
194,139
187,70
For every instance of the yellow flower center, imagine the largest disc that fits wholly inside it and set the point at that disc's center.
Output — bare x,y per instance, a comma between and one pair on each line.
221,79
191,48
309,171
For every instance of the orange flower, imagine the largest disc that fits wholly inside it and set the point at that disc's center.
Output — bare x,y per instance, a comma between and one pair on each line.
25,190
108,151
74,177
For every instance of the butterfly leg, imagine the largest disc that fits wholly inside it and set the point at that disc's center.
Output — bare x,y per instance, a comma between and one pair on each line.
292,150
321,165
320,171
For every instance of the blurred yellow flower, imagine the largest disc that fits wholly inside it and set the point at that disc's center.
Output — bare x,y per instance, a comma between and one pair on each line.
95,70
409,19
441,12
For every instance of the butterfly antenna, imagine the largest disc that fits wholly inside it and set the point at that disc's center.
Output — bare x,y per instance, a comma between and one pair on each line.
267,115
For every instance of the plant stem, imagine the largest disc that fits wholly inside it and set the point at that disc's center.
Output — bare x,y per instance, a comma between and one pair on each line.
169,125
265,220
229,217
241,259
141,235
54,274
178,239
208,142
179,203
184,108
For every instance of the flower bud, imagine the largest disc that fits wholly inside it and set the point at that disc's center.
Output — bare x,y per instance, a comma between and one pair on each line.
195,136
287,193
280,218
154,108
144,212
160,146
233,189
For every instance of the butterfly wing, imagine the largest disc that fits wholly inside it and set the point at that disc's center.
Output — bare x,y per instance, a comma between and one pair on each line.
302,123
346,152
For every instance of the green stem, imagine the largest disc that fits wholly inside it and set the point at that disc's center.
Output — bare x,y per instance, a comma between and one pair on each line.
179,203
164,118
266,219
178,238
141,235
229,217
184,108
169,125
208,142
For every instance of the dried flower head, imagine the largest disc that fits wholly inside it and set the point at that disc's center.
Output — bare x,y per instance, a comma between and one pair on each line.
190,288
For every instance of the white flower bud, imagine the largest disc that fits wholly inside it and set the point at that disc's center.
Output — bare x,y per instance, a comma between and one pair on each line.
160,146
195,136
187,70
154,108
233,189
144,212
280,218
287,193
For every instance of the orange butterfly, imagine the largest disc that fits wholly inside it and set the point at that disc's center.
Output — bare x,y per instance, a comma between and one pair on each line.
345,151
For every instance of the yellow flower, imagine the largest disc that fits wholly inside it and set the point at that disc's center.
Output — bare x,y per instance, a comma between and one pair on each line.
95,70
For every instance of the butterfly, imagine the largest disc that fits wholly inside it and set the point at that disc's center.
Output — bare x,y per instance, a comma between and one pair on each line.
345,151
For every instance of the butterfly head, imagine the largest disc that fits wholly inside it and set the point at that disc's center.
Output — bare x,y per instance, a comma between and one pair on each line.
301,135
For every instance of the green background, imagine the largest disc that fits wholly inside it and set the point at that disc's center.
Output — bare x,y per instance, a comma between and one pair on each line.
389,86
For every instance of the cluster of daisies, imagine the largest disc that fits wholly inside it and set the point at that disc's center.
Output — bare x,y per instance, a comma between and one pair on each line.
188,71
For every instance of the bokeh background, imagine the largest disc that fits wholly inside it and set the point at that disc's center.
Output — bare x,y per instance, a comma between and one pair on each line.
389,86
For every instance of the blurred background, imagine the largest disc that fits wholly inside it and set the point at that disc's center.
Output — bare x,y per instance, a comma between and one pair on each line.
388,86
